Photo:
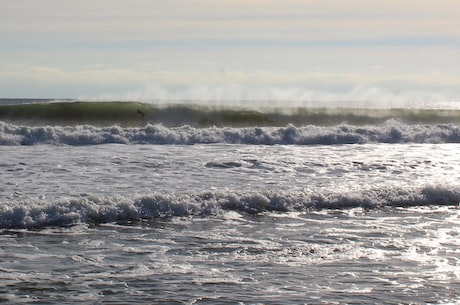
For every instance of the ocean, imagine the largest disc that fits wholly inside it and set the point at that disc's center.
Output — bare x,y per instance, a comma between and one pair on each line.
106,202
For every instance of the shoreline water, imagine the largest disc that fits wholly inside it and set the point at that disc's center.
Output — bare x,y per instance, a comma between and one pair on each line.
348,257
176,213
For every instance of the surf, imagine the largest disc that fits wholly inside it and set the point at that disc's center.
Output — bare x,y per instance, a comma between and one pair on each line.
390,131
37,213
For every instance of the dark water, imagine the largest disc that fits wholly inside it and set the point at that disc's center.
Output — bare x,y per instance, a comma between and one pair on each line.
107,113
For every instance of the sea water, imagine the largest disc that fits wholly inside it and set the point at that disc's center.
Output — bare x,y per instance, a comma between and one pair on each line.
227,215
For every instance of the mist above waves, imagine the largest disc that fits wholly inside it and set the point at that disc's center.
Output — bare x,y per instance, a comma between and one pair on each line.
360,96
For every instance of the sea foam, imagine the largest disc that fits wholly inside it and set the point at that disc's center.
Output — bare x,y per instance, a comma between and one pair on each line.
35,213
391,131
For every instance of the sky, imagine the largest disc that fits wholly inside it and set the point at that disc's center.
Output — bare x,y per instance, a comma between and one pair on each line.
291,51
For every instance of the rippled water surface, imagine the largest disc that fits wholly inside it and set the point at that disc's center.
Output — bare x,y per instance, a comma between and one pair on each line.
230,224
67,171
392,256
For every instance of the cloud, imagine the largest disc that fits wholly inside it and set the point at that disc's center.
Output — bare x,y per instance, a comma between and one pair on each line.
250,82
181,22
233,49
102,74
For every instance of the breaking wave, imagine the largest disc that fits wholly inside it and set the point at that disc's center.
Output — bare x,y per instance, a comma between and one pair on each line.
94,210
391,131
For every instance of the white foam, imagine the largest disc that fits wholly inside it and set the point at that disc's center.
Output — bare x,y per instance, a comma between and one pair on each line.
33,213
390,132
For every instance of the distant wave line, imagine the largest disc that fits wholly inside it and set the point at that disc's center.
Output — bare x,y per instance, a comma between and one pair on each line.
108,113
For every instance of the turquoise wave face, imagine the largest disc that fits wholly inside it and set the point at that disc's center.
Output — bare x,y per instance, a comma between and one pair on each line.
108,113
73,113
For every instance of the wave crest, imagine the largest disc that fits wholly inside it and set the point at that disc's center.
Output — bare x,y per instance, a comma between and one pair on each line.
390,132
94,210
